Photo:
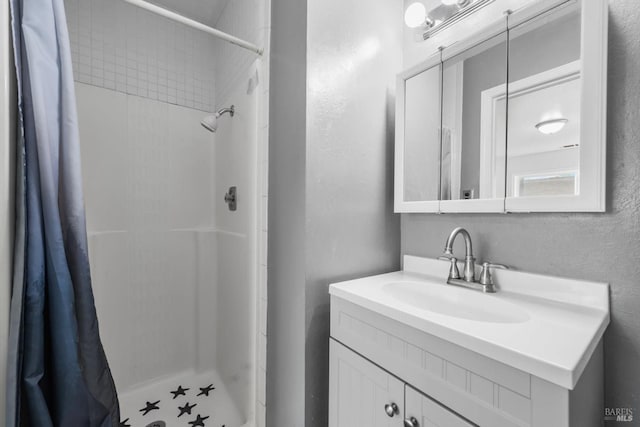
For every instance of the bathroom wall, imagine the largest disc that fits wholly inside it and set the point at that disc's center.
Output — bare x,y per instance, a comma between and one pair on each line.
602,247
118,46
330,210
7,154
350,227
286,247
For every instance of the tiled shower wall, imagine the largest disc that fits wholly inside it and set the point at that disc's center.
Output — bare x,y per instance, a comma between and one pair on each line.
148,181
120,47
251,21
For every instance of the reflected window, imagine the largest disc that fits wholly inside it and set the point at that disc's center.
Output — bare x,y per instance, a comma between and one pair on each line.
555,184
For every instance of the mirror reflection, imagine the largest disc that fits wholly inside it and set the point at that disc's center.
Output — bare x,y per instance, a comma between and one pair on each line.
544,107
422,136
474,122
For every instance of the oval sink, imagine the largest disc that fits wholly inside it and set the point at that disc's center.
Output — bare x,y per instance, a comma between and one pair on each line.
456,302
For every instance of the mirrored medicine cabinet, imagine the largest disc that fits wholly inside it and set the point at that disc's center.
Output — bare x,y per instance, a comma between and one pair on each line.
512,119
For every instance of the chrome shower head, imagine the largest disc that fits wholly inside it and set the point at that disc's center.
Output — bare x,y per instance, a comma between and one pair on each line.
210,122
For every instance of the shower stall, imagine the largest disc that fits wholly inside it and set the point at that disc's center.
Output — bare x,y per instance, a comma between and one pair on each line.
179,278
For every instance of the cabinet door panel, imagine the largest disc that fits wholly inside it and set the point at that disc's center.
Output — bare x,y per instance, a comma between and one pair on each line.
359,391
429,413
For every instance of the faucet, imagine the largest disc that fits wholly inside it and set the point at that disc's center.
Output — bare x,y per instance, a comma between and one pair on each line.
485,284
469,260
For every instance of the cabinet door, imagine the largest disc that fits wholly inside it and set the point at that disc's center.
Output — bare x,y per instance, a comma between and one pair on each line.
429,413
360,393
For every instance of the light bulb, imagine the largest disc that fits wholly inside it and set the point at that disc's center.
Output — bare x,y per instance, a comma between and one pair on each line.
549,127
415,15
449,2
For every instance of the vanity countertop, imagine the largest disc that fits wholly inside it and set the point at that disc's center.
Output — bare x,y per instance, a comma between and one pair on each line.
543,325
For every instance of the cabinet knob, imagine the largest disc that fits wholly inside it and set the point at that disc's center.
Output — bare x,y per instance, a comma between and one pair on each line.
411,422
391,409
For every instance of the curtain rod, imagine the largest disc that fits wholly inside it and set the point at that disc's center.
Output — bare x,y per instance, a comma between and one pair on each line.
195,24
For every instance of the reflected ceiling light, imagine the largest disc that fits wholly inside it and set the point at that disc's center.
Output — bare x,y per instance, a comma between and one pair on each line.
416,16
549,127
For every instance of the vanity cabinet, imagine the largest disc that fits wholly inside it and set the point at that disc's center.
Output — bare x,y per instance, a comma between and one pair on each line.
364,395
428,413
361,392
377,361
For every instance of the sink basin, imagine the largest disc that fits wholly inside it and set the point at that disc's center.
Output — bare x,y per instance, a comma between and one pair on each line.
461,303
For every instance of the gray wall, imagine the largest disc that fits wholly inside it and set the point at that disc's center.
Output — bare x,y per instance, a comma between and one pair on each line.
330,182
351,228
286,315
603,247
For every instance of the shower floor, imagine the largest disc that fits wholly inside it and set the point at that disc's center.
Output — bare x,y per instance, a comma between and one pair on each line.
201,400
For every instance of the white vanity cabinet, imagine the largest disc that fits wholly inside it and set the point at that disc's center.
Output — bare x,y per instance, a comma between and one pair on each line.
530,355
364,395
370,366
361,392
427,413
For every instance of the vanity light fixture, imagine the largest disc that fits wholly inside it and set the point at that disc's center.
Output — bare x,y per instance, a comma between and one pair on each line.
549,127
416,16
440,17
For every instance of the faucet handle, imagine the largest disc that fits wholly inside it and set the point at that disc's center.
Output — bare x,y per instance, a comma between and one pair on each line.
490,264
485,275
454,273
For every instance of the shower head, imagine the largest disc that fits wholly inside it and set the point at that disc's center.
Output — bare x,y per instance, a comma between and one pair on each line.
210,122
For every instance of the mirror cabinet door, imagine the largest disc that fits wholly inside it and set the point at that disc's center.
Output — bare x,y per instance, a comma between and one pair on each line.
544,131
474,85
510,121
422,136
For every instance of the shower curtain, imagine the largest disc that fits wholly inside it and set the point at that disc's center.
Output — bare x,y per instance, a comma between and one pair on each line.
58,372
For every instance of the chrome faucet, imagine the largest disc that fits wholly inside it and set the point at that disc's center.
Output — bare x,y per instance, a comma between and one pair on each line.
469,260
485,284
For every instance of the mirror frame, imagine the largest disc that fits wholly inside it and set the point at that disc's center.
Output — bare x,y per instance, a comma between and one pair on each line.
594,50
400,205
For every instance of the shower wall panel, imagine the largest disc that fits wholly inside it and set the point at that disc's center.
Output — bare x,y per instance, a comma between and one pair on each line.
236,165
149,193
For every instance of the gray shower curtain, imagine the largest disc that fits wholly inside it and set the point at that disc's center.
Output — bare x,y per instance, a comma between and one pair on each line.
58,372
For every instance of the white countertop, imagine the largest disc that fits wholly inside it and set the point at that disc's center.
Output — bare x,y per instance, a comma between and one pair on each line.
562,320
